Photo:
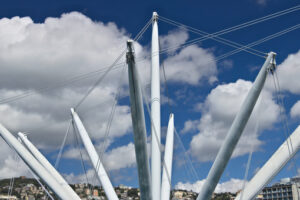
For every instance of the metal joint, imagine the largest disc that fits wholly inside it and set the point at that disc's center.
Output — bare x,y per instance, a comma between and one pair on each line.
272,65
129,57
155,16
130,51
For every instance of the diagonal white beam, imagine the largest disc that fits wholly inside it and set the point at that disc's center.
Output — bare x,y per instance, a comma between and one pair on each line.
167,167
236,130
271,168
39,156
95,159
33,164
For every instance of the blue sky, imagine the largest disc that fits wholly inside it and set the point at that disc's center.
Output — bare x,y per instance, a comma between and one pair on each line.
47,42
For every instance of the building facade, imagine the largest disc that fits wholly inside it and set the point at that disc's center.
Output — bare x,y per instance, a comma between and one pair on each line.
287,189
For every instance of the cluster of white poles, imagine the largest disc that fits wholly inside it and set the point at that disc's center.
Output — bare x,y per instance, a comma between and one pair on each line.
156,185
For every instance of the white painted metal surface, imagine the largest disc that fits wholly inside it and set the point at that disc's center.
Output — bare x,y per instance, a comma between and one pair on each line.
138,124
167,167
271,168
155,113
97,164
39,156
33,164
236,130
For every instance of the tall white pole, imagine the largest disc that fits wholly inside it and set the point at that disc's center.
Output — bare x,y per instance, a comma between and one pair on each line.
33,164
167,167
155,113
236,130
97,164
138,124
37,154
271,168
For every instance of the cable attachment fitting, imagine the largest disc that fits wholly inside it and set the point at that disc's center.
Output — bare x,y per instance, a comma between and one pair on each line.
130,52
272,65
154,16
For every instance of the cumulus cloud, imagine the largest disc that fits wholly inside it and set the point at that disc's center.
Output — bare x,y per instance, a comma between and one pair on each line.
295,110
43,55
11,164
189,126
81,178
233,185
115,159
173,39
35,56
288,73
191,65
218,112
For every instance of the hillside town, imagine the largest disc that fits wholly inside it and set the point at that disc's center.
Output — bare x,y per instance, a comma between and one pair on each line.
29,189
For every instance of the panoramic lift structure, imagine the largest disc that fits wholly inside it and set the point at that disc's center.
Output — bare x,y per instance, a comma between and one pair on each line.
155,183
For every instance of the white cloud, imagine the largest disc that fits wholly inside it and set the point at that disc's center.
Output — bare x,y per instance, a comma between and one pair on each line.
295,110
233,185
191,65
39,55
218,112
173,39
82,178
11,164
120,157
288,73
115,159
190,125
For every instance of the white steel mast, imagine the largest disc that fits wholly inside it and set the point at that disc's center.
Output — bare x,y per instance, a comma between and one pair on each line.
138,124
236,130
155,113
167,167
33,164
37,154
270,169
95,159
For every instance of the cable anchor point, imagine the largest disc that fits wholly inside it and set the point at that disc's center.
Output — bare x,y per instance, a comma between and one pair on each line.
155,16
272,65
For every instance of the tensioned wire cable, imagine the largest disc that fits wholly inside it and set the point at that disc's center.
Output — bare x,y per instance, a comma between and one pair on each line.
44,188
79,148
141,59
210,36
33,174
117,65
230,53
104,70
91,89
284,121
62,145
12,180
187,159
186,156
146,98
240,48
260,41
146,102
256,131
243,25
109,123
249,46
